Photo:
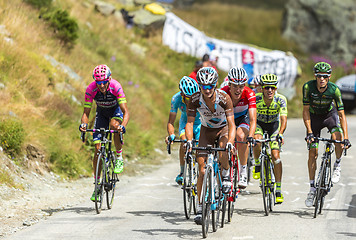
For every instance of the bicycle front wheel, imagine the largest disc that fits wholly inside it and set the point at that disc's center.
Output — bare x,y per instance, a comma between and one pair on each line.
99,183
264,185
231,202
206,196
112,179
319,196
187,189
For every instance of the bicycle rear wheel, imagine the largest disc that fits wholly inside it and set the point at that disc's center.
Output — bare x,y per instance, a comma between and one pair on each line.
206,201
270,184
223,210
264,185
231,202
112,178
187,189
99,183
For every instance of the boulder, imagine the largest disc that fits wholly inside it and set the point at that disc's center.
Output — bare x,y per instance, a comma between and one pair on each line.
104,8
147,20
323,27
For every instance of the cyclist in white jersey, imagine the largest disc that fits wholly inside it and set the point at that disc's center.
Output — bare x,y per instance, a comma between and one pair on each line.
217,119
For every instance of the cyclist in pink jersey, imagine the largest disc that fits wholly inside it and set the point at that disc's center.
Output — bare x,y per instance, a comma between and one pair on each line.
244,103
111,111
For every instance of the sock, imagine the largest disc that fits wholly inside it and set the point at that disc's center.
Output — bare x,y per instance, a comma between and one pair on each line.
226,172
243,169
181,169
119,153
312,187
337,162
278,186
257,161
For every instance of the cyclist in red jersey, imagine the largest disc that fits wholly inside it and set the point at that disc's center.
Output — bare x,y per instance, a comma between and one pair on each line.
244,103
193,74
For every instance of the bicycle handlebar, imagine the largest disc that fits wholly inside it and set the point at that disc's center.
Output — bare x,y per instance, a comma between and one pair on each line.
176,140
102,131
332,141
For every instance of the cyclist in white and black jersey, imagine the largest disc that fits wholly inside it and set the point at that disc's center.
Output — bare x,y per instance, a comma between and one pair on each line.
217,120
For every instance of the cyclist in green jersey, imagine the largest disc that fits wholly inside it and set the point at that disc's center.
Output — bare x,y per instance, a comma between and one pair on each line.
271,118
319,111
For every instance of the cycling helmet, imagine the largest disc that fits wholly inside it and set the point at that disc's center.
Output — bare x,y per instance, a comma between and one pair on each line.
269,79
322,67
101,72
207,76
188,86
257,80
237,76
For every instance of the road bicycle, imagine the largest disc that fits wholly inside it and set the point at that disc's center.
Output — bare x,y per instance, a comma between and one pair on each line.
105,178
190,177
267,179
212,197
323,182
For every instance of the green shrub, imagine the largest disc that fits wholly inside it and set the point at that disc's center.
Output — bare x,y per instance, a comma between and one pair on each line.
66,28
39,3
11,135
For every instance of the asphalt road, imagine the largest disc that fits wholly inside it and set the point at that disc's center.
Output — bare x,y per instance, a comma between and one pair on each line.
151,206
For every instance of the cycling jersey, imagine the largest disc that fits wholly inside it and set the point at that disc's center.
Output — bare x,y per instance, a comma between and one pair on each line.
222,109
278,107
113,97
247,101
322,102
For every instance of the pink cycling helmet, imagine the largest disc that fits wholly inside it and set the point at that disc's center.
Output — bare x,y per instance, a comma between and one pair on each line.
101,73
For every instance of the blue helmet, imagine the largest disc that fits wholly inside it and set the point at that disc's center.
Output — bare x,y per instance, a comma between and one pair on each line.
188,86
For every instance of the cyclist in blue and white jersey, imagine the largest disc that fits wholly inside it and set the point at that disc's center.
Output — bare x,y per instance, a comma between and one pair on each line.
187,87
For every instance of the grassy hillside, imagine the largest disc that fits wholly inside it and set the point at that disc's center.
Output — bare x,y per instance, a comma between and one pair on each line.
43,98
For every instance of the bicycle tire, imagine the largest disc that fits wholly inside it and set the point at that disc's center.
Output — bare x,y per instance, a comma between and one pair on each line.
112,178
206,202
231,204
215,209
264,185
187,189
270,184
218,204
319,190
223,211
194,186
249,166
99,183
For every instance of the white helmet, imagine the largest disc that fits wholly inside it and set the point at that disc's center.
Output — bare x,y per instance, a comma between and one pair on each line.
207,76
237,76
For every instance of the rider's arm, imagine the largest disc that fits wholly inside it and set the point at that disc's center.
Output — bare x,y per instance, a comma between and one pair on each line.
126,113
191,113
170,124
283,124
343,123
306,118
85,117
253,118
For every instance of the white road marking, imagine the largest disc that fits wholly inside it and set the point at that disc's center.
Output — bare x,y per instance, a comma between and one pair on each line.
295,200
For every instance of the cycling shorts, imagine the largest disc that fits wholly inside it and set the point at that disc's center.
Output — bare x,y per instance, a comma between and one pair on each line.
243,121
208,136
329,120
103,117
196,129
272,129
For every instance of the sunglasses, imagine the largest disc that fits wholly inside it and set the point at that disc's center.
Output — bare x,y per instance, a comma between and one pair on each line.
322,75
207,87
269,87
102,82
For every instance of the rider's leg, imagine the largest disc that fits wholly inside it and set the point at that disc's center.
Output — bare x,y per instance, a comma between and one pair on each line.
338,152
256,154
179,178
313,155
278,174
119,165
242,151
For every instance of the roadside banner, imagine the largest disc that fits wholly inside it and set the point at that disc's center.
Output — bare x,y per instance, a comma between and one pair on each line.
184,38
